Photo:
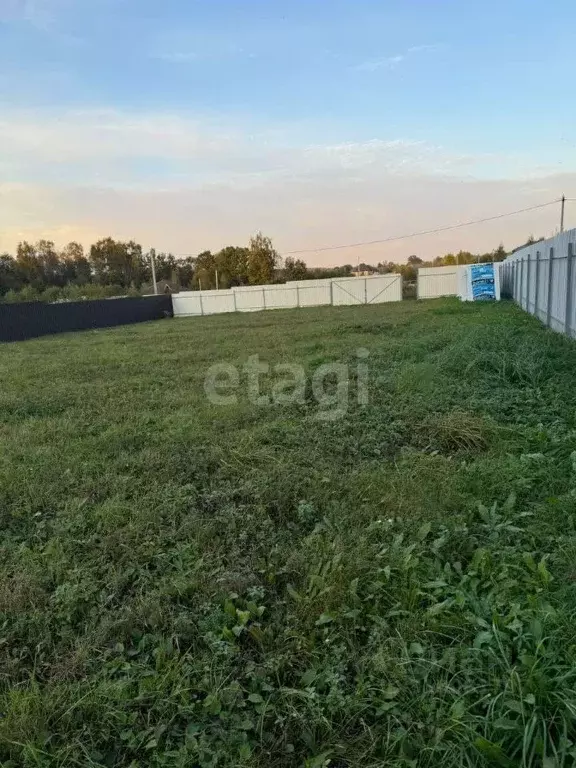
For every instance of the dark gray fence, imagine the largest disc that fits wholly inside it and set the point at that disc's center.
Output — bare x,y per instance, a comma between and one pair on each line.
26,321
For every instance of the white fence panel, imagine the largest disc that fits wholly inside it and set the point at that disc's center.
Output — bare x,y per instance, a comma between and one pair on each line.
349,291
298,293
314,295
541,278
558,311
383,288
546,282
462,282
186,305
572,295
217,302
531,278
279,297
540,268
434,282
250,298
309,283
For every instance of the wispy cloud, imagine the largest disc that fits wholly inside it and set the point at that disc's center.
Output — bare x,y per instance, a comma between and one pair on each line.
43,16
177,57
187,182
183,51
38,13
391,62
118,148
388,62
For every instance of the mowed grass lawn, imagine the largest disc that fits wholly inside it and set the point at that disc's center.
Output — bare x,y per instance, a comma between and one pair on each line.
190,584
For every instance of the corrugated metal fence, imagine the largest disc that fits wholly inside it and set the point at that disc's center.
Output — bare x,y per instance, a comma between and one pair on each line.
541,278
301,293
34,318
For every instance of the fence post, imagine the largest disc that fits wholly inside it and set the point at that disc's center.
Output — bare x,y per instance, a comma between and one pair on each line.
201,304
331,293
264,297
537,286
365,290
234,294
297,296
550,287
528,267
569,271
522,283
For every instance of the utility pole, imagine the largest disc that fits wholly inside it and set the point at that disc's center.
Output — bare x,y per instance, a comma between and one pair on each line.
563,203
153,266
216,278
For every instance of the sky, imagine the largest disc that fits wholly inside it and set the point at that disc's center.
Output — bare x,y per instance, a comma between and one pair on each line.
190,124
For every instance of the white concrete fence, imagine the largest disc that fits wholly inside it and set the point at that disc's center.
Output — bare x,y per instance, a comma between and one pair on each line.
300,293
541,278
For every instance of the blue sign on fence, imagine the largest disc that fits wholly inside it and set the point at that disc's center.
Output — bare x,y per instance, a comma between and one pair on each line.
482,279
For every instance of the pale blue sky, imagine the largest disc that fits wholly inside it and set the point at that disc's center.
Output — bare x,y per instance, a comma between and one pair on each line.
191,123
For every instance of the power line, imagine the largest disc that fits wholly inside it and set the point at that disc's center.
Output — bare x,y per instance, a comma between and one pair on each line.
414,234
423,232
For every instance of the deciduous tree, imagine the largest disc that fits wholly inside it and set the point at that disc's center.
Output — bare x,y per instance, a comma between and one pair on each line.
76,266
118,263
28,264
10,278
205,274
232,265
295,269
262,260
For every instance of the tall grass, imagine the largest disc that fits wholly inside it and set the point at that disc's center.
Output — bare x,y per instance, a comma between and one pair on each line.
190,585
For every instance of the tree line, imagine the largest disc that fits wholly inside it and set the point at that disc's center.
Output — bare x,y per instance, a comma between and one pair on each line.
110,267
113,267
38,271
409,271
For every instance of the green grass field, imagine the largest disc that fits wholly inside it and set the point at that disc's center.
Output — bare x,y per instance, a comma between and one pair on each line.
186,584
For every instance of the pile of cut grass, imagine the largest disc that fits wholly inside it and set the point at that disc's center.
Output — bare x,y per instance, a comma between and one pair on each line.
184,584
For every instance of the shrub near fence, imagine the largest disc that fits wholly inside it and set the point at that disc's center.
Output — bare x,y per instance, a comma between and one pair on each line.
541,278
26,321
